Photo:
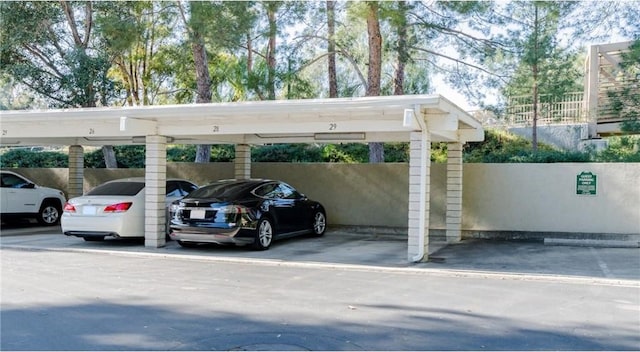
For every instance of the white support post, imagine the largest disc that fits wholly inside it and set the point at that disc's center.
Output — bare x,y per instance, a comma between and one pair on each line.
242,162
155,191
76,171
419,187
454,192
592,89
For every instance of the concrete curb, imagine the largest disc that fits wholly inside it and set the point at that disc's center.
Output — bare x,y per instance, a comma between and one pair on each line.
415,269
590,243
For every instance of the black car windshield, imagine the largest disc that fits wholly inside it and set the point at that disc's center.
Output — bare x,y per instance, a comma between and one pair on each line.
117,189
223,190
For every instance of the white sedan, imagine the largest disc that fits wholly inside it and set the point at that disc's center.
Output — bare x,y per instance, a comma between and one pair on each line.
115,209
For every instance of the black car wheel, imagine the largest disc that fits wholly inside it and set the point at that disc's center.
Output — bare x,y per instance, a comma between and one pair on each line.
264,235
319,223
49,214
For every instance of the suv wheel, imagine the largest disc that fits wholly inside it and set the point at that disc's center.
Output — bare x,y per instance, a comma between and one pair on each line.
49,214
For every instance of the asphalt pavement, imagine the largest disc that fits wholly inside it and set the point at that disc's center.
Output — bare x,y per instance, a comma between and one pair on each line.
343,291
373,251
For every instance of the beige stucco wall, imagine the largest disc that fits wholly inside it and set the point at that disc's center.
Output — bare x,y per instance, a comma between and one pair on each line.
542,198
496,197
353,194
358,194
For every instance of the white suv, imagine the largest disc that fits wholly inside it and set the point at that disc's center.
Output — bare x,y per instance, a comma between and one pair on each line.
20,197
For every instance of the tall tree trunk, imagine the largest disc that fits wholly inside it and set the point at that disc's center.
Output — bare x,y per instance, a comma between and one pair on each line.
109,155
203,79
331,29
534,131
376,150
534,69
403,55
272,8
203,83
249,54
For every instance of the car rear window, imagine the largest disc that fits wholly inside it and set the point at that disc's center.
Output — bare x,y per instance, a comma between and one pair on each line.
117,189
223,190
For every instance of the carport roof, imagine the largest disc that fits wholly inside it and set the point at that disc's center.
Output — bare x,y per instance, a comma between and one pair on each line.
368,119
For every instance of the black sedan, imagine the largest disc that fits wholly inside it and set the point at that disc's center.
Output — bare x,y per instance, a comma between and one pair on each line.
245,212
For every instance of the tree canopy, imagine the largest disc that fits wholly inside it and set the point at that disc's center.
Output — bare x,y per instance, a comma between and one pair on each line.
113,53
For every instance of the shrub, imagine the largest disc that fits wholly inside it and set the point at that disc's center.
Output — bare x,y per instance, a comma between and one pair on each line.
438,152
286,153
181,153
187,153
498,147
333,153
621,149
504,147
28,158
222,153
127,156
343,153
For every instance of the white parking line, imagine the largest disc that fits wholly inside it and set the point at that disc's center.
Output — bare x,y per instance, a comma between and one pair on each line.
603,266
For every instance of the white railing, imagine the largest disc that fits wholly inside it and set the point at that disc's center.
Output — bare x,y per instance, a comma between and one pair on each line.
567,109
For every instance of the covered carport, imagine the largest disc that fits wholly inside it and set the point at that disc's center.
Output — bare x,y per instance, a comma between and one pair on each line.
418,119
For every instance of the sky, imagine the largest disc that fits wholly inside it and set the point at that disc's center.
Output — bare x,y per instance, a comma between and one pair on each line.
566,39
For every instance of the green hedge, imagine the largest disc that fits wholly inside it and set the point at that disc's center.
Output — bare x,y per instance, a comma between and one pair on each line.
503,147
29,158
498,147
127,156
621,149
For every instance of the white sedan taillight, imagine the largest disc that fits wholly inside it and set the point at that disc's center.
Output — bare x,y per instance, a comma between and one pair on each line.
118,208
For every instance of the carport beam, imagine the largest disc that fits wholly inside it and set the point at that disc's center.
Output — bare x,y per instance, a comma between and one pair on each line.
155,191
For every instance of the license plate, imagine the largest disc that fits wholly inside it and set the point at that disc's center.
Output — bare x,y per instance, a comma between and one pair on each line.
197,214
89,210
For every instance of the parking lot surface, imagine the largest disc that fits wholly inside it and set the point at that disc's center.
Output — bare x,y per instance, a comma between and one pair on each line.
344,291
374,251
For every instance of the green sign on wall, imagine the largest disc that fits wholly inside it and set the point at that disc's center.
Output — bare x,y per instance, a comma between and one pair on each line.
586,184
